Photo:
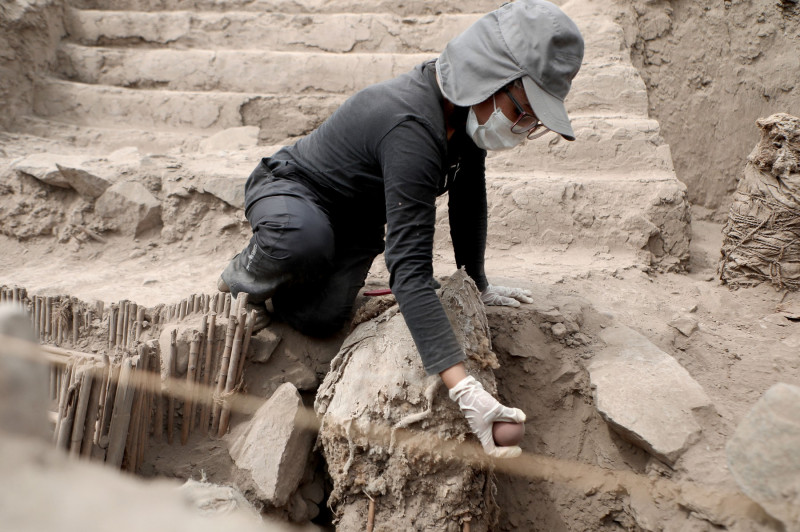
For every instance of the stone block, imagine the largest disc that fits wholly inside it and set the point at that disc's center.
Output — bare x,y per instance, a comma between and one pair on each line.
228,189
130,207
89,183
262,345
273,447
764,453
43,166
646,396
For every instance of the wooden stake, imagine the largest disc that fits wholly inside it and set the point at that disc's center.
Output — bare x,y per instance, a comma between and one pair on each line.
371,515
158,422
65,429
195,303
57,327
144,435
106,375
90,428
48,318
134,429
108,408
230,381
120,323
112,326
36,317
466,527
126,320
241,303
188,405
173,352
139,323
42,317
53,382
182,309
120,420
197,376
227,309
223,374
84,392
66,379
208,367
76,321
248,334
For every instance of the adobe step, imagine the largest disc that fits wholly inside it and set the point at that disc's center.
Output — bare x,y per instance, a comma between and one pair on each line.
252,71
340,33
402,7
105,106
108,139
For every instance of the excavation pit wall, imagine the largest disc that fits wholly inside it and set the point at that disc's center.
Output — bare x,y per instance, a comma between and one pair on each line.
542,350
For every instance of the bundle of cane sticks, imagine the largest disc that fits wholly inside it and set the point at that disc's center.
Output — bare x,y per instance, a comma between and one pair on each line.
107,409
211,358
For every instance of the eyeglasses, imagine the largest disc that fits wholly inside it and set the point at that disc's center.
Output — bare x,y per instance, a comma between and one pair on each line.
526,123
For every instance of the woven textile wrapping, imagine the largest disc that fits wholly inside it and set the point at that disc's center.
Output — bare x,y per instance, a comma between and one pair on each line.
762,236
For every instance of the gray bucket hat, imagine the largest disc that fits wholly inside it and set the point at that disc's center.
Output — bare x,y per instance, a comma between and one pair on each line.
529,39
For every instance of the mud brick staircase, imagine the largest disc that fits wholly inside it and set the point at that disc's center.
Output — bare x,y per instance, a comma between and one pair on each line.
164,74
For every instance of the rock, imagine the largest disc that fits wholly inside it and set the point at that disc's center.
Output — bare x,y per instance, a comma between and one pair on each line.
42,166
273,447
780,319
262,345
301,376
686,325
232,138
298,510
645,395
313,491
228,189
559,330
287,368
89,183
551,315
764,453
130,208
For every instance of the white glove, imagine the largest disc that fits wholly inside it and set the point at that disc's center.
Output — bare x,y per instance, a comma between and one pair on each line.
505,296
481,411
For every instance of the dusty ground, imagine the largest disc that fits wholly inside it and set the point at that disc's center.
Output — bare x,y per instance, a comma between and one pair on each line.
741,348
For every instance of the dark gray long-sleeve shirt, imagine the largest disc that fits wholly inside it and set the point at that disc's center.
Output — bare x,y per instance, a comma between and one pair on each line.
382,158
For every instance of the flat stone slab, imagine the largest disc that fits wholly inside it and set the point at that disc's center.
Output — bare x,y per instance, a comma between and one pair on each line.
273,447
43,166
645,395
764,453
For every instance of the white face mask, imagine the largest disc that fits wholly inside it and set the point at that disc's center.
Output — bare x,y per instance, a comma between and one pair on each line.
496,133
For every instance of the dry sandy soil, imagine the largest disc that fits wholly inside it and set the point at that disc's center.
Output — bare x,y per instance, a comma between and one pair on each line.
741,347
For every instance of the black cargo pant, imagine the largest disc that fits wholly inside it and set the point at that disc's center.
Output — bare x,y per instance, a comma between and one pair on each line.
311,268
